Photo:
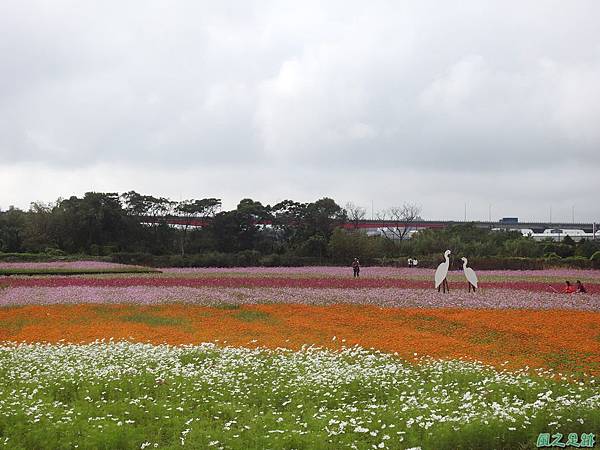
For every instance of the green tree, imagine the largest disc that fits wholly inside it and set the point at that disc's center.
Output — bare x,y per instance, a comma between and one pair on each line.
240,229
38,228
524,248
96,220
345,245
190,210
287,218
586,248
12,225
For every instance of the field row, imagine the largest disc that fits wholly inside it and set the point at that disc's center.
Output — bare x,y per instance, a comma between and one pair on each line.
123,395
276,282
102,268
385,297
562,340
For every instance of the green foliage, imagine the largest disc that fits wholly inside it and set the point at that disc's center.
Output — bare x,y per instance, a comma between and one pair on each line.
154,320
524,247
54,252
315,245
253,316
561,249
134,228
587,248
216,259
346,245
468,239
12,230
595,256
296,223
578,262
190,210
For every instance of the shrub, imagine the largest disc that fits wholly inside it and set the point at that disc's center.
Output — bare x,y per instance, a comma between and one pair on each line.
24,257
574,262
271,261
248,258
54,252
145,259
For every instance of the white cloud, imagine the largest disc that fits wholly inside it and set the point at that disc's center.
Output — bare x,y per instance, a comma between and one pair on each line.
300,100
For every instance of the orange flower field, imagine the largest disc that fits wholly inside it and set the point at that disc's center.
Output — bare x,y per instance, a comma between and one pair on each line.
557,339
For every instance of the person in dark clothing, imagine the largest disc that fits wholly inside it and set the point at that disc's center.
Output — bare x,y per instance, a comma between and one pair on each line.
579,287
356,267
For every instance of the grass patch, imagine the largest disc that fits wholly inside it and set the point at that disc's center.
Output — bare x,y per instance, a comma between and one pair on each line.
573,362
226,306
487,337
155,321
112,311
434,324
249,315
15,325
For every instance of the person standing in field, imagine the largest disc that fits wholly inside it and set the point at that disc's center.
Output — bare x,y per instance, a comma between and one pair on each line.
356,267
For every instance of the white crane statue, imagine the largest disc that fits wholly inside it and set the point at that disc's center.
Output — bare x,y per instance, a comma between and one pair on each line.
470,275
441,273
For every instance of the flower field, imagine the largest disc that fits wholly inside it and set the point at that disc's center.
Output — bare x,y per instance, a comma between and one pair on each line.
296,358
123,395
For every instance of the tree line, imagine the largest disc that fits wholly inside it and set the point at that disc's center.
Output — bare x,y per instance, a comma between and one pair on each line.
103,224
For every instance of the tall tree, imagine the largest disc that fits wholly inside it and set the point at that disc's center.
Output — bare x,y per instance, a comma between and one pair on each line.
239,229
355,214
38,233
190,211
323,216
288,219
12,225
401,220
97,219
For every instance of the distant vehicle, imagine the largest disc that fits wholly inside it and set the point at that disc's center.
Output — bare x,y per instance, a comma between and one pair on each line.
514,229
568,232
558,234
389,234
509,220
555,234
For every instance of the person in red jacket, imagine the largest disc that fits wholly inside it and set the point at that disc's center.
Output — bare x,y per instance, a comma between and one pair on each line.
569,288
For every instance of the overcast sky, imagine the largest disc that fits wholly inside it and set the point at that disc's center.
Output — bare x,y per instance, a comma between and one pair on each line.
437,103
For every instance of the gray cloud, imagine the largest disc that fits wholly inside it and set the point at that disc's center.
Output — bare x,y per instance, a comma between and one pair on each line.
304,99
